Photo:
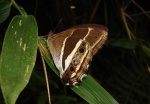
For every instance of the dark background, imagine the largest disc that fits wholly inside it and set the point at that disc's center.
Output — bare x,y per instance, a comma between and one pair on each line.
121,69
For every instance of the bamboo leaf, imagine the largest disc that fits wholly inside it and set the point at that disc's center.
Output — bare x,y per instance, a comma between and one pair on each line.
123,43
18,56
4,10
146,50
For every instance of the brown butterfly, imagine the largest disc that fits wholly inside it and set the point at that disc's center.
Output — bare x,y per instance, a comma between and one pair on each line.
73,49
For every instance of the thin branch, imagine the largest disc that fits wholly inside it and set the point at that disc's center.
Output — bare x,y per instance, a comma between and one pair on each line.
46,77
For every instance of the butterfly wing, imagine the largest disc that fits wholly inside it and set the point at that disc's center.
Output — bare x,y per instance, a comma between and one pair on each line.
73,49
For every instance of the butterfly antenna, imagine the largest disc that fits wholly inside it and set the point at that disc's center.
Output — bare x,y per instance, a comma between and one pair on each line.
52,31
56,26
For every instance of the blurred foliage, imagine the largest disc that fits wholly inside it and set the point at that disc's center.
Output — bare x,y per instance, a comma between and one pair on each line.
122,66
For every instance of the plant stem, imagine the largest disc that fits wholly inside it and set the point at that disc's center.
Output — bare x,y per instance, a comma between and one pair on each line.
19,8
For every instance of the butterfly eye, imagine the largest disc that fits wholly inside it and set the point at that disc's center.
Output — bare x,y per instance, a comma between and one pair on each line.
81,50
71,69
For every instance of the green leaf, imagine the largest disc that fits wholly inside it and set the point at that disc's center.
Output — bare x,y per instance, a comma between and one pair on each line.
146,50
4,10
18,56
89,89
123,43
93,93
42,45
